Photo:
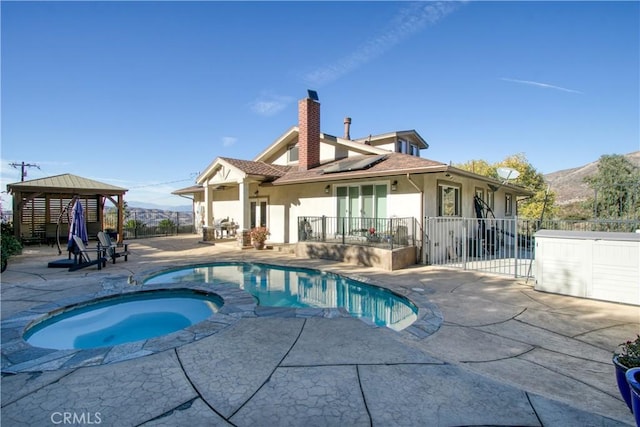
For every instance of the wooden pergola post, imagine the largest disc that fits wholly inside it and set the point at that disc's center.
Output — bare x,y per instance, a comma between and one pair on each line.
120,219
17,213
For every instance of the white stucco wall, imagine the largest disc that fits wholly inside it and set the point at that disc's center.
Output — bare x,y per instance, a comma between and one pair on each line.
285,204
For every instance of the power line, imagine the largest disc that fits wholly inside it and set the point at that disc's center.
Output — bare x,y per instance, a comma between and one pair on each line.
160,183
24,166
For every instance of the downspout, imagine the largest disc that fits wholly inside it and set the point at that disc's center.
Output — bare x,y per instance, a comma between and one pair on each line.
422,239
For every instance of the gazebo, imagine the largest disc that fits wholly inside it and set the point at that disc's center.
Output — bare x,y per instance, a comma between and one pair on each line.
40,206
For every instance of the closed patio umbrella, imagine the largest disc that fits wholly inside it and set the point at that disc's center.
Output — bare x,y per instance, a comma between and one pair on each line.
78,226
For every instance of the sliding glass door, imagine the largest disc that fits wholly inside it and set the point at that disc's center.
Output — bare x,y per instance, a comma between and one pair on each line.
359,206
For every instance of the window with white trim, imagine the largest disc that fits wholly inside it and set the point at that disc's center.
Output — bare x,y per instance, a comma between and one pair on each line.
508,205
449,199
406,147
292,153
491,199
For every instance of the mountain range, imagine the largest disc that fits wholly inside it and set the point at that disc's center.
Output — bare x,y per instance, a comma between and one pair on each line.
569,185
145,205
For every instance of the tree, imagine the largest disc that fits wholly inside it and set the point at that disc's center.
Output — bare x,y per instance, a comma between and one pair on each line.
616,187
166,226
134,224
529,178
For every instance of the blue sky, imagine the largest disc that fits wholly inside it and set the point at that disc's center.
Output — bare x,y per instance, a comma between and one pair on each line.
144,95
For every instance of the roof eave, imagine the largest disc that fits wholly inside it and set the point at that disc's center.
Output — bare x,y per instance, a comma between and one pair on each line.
395,134
271,149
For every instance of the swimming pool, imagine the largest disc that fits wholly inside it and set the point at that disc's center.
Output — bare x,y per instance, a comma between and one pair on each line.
278,286
121,319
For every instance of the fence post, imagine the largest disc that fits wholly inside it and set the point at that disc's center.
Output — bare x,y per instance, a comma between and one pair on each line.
464,244
324,228
415,226
177,222
515,245
343,236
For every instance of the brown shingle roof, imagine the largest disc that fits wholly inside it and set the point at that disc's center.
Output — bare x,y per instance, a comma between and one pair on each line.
393,164
257,168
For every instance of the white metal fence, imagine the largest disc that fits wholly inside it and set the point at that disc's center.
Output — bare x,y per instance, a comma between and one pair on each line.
500,246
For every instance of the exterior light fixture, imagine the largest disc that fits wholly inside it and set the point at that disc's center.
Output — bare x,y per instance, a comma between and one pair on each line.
394,185
327,189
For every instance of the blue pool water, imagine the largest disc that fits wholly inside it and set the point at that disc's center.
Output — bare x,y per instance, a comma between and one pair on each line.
121,319
276,286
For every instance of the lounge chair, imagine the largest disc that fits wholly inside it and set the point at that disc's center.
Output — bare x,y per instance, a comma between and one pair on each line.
112,248
84,257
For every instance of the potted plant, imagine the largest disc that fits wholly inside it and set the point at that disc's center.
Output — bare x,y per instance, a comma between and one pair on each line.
628,357
258,236
633,379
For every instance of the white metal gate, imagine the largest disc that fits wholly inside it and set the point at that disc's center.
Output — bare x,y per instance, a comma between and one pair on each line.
489,245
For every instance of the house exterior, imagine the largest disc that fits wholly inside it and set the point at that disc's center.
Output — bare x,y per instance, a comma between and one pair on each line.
305,173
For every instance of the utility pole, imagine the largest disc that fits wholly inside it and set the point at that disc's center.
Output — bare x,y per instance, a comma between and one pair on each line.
23,166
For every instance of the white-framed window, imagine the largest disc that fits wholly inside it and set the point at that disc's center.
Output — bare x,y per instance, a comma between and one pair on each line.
480,194
292,153
508,205
449,199
490,199
405,147
258,212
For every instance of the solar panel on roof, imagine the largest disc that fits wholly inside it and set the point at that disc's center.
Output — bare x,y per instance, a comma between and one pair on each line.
355,164
313,94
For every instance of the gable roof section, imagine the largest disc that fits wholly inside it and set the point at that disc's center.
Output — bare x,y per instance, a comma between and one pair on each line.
65,183
283,140
291,135
257,168
249,167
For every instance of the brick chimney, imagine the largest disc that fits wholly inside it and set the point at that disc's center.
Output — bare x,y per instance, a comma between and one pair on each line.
309,134
347,127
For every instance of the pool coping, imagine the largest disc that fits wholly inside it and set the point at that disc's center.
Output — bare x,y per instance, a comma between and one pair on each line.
19,356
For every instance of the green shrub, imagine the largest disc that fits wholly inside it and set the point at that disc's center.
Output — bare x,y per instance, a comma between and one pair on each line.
9,245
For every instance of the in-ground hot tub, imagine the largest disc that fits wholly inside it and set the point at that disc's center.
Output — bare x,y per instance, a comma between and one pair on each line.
121,319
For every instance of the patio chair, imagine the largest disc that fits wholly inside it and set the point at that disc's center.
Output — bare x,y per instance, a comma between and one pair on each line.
112,248
84,257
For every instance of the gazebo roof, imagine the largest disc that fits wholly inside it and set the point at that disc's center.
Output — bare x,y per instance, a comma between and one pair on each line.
65,183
